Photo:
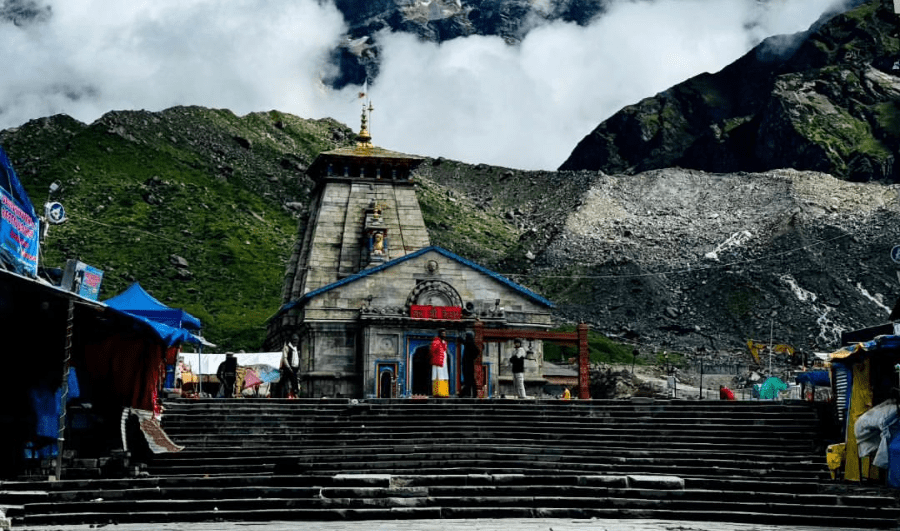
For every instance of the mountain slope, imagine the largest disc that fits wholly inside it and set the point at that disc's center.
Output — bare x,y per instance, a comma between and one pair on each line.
200,206
826,100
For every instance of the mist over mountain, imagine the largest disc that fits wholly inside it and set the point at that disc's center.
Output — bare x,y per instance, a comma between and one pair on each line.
509,82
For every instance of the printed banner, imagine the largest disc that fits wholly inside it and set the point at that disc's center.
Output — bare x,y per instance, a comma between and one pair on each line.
18,236
91,277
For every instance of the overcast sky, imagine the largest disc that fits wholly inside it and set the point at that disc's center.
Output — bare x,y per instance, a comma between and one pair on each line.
474,99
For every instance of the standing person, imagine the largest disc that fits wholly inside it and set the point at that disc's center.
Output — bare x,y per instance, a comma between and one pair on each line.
725,393
517,360
470,354
440,376
227,375
290,360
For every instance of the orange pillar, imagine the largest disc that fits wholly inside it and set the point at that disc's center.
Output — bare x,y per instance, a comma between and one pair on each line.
584,365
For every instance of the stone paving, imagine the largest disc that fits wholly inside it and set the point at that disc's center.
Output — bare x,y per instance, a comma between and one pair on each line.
506,524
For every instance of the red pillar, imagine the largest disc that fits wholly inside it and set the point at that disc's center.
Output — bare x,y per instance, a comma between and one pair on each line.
584,365
479,366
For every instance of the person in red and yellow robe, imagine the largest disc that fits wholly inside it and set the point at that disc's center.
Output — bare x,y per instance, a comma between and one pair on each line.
440,376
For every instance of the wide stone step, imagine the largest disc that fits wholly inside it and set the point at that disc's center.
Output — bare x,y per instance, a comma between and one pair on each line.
629,439
366,448
592,410
519,467
558,430
672,504
238,408
510,465
460,496
288,423
262,413
417,454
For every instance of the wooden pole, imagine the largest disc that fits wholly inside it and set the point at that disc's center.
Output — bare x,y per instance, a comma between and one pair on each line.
584,366
64,396
480,391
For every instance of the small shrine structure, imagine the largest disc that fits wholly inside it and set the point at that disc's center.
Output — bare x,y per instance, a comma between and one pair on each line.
365,292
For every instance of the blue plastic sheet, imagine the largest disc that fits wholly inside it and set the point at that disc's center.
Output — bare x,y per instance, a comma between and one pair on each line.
45,405
817,378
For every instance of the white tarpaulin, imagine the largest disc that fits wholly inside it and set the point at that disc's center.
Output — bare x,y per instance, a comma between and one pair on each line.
210,362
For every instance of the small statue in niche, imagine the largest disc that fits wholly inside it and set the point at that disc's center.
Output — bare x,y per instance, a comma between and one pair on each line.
378,244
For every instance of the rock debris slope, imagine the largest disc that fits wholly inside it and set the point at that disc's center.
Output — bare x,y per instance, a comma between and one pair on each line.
694,259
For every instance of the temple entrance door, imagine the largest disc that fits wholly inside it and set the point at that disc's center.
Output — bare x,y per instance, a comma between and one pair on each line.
386,386
421,371
387,379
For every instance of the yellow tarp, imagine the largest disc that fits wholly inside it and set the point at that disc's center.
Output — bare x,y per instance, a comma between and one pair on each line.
861,398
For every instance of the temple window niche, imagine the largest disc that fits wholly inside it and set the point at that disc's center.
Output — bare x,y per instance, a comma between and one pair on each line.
376,234
377,247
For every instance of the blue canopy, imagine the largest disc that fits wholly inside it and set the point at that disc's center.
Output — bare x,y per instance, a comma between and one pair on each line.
817,378
136,301
167,334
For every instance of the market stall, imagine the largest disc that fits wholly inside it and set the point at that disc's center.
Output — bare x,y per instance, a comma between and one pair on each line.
866,385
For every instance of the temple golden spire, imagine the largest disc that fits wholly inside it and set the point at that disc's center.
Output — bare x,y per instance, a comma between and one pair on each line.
364,139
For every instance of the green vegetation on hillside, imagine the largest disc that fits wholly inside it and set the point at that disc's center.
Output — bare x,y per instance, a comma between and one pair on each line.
189,202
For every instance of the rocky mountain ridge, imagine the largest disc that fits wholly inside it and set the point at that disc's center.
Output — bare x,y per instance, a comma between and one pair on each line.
826,100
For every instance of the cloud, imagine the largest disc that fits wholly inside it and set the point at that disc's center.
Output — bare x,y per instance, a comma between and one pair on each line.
92,56
475,99
479,100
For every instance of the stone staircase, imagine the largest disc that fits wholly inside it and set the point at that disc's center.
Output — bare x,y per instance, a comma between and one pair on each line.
261,460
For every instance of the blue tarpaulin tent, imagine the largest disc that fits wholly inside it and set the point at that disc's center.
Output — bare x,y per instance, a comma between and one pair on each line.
169,335
136,301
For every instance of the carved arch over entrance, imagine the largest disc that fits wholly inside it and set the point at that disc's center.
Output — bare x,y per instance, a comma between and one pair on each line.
433,293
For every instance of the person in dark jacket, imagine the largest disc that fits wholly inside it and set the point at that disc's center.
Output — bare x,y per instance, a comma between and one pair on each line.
288,386
470,354
517,360
227,375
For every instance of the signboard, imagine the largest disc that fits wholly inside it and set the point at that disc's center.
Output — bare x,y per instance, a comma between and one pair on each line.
895,254
18,236
453,313
82,279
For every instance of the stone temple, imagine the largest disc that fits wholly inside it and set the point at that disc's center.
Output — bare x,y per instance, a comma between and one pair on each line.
365,291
